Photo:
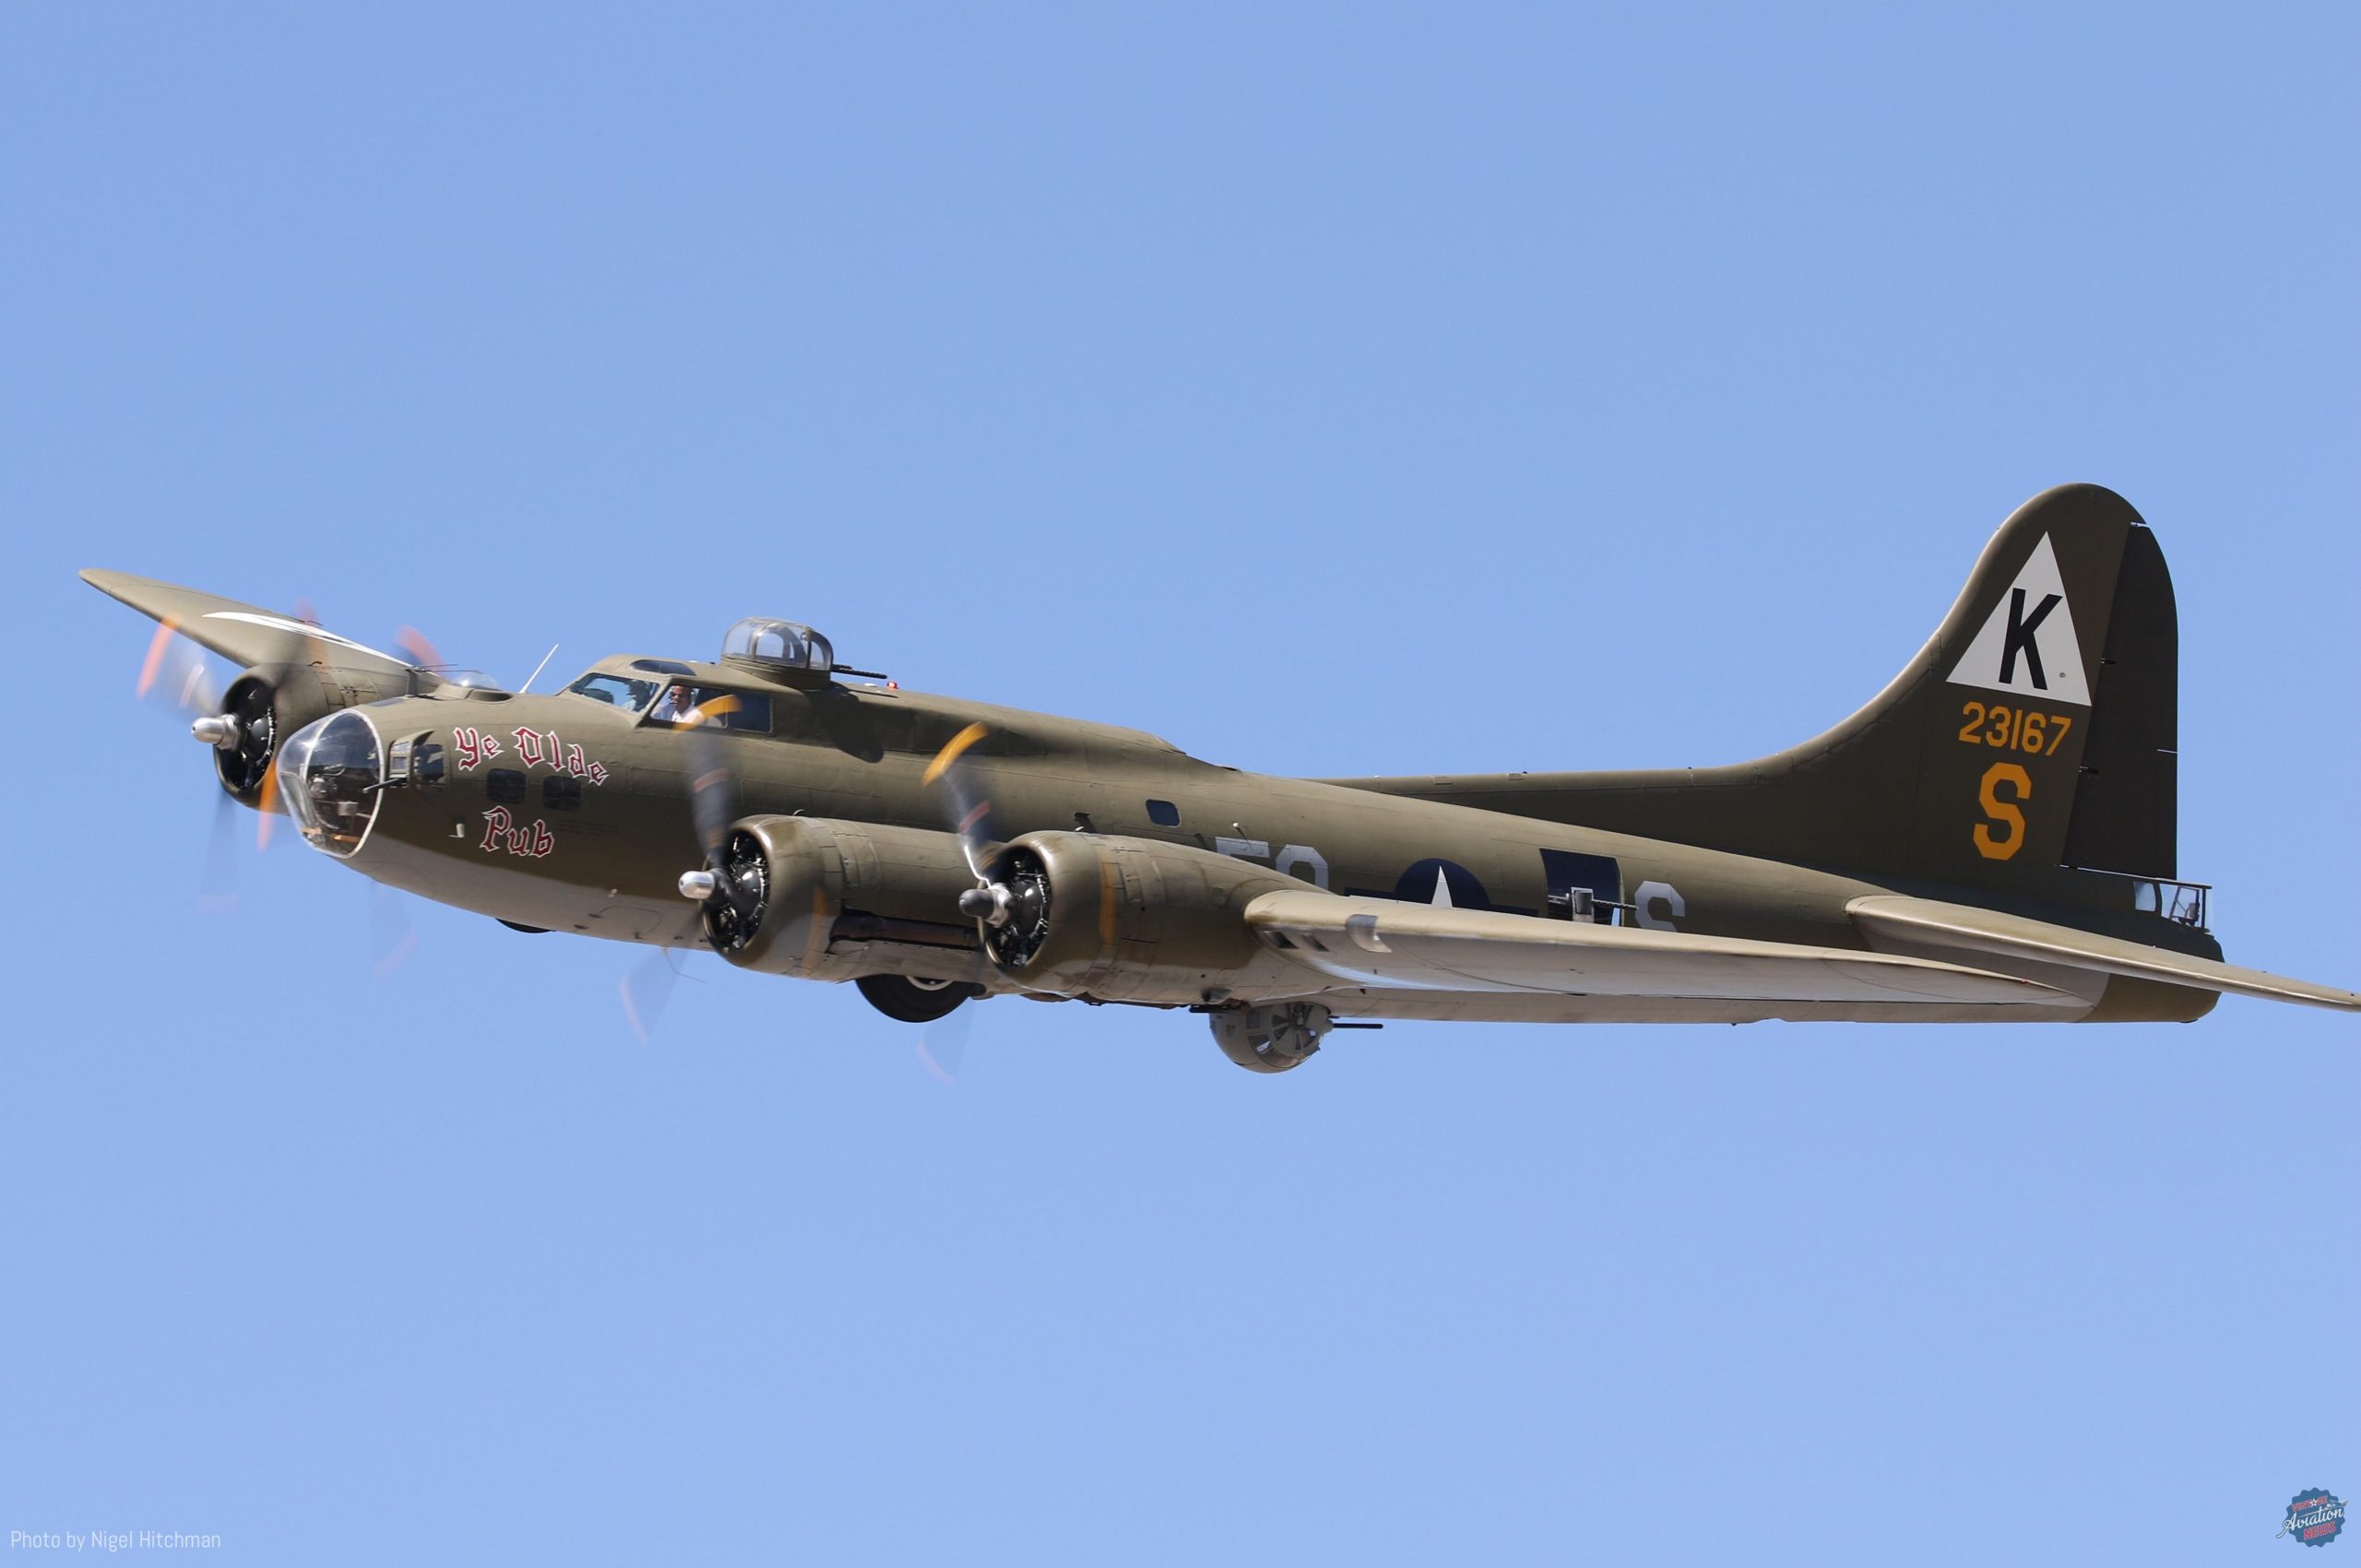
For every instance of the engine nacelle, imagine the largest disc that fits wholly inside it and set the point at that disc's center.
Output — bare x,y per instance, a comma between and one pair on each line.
271,702
821,900
1130,919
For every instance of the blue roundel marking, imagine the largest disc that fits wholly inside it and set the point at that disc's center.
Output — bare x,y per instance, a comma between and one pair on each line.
1460,888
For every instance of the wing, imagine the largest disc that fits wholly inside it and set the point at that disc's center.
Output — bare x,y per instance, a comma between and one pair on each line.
242,634
1378,943
1959,930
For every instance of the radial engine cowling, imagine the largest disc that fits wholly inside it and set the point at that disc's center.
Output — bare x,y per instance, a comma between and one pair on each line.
1130,919
821,900
265,705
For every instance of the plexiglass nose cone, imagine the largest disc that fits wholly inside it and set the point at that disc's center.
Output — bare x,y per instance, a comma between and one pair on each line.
329,773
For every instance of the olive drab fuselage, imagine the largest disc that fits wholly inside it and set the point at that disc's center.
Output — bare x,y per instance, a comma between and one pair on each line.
557,812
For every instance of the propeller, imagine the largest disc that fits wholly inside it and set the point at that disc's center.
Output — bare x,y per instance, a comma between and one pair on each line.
217,889
176,676
392,938
415,646
240,725
237,721
240,722
646,989
267,807
942,1049
713,793
1010,901
969,811
424,657
732,894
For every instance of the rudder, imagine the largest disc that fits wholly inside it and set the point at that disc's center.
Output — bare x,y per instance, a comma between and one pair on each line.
2036,731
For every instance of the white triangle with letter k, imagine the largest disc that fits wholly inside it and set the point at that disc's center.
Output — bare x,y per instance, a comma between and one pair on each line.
2027,647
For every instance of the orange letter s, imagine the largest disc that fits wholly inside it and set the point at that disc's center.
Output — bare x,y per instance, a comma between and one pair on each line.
2003,811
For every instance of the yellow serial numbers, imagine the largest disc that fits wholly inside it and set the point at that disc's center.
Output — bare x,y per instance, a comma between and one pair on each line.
2014,729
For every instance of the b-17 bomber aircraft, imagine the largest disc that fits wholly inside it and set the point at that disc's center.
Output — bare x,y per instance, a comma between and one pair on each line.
1991,838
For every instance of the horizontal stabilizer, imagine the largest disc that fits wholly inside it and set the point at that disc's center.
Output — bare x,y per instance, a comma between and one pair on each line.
1377,942
1959,928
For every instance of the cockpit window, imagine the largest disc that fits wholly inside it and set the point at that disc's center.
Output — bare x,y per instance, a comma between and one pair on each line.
617,691
684,705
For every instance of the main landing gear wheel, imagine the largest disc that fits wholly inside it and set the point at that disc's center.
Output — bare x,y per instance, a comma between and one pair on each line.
909,1001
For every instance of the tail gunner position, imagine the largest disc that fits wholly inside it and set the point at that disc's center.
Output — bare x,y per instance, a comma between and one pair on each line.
1992,837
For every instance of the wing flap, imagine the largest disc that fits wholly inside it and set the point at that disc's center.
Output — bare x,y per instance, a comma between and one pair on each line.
242,634
1380,942
1960,928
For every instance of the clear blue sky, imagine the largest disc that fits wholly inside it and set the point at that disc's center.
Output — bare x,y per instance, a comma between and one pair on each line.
1331,390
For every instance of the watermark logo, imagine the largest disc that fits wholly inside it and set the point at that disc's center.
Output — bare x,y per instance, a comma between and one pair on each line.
2315,1518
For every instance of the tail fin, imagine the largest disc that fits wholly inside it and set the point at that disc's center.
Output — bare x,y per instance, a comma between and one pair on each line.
2036,730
